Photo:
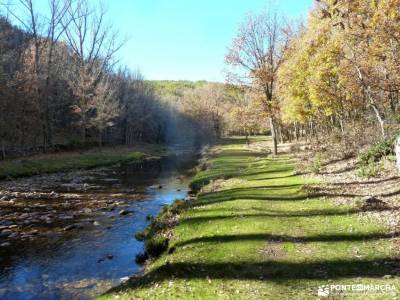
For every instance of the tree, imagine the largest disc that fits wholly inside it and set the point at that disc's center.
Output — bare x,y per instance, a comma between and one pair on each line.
207,103
93,43
258,51
369,30
45,32
246,115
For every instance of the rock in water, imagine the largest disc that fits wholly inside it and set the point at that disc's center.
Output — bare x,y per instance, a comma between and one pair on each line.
124,212
70,227
397,149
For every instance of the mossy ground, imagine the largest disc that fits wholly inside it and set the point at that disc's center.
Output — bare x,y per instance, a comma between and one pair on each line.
67,161
258,236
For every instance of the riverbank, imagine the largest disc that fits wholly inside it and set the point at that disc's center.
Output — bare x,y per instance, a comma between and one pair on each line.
71,235
253,232
69,161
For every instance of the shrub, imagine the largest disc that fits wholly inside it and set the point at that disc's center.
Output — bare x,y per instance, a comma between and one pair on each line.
156,246
376,152
316,164
141,235
371,169
141,258
155,242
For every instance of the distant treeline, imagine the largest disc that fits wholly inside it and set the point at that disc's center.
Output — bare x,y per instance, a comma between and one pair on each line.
61,88
66,103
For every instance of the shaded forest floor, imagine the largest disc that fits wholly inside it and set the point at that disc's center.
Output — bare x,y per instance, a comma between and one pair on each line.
74,160
254,233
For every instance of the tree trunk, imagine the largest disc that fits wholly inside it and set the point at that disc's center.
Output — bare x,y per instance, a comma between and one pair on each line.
3,150
279,128
100,139
273,134
341,126
44,138
84,130
381,121
397,150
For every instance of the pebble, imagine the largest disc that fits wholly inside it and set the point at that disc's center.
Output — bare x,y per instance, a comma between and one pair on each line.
5,244
95,223
5,232
70,227
87,210
13,235
24,216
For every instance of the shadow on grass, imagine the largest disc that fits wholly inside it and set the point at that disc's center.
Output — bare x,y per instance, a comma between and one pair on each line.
307,214
268,270
263,188
263,268
235,163
365,182
286,238
266,194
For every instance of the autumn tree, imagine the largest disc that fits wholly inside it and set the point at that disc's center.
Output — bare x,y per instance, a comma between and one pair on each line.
207,103
245,115
369,31
256,55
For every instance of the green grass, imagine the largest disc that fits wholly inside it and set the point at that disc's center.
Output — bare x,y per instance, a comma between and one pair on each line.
260,237
65,162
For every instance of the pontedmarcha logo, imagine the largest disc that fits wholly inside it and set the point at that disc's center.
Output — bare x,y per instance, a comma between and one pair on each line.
325,290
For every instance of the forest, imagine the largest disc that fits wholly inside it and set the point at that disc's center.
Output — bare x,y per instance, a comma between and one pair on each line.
279,182
62,88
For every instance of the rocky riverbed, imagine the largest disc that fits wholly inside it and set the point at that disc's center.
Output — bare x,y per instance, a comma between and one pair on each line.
46,205
71,235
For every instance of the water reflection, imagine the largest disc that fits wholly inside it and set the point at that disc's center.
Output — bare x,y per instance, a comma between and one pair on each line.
82,263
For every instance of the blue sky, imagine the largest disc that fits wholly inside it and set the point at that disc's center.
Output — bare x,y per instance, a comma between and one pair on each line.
185,39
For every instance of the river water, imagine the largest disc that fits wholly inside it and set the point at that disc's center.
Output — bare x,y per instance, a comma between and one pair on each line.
85,262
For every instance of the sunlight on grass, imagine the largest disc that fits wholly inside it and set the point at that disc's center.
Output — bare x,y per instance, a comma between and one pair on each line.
261,236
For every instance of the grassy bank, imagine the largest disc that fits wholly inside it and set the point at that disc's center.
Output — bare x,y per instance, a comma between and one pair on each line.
59,162
253,234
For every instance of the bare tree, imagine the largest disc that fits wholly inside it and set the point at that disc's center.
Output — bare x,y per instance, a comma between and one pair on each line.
207,103
45,31
94,44
106,106
257,52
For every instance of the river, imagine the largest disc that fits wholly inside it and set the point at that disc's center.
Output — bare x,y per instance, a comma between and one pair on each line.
79,262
